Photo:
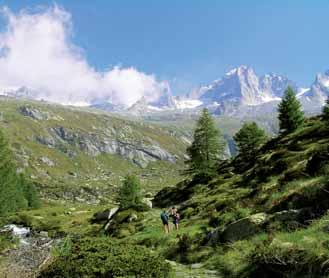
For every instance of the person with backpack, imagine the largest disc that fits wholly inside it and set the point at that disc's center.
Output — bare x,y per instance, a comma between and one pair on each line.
176,218
165,221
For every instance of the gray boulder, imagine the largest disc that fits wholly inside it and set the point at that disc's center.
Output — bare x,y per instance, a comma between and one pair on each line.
286,215
33,113
244,228
148,202
47,161
104,215
46,140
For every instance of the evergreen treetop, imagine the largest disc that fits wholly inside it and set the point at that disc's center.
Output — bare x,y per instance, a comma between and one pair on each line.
130,193
248,139
291,116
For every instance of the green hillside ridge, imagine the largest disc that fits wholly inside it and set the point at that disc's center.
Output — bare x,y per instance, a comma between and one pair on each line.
265,218
81,154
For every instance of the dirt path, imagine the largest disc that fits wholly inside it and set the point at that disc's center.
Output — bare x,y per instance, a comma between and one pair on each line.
181,271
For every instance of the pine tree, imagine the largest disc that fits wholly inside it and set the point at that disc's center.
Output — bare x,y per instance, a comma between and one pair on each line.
206,148
130,192
291,116
248,139
325,111
16,192
11,195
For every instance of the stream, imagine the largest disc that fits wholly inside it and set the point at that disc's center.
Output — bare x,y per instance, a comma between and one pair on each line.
29,255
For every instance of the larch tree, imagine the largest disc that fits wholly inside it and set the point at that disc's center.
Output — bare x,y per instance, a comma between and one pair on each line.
206,148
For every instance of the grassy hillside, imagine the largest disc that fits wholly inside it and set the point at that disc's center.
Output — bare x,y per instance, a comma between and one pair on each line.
263,219
82,155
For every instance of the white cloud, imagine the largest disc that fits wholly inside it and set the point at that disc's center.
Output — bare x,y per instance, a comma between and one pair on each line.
37,52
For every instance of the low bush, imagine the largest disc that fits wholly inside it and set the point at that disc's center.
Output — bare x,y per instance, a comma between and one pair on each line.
103,257
7,241
287,260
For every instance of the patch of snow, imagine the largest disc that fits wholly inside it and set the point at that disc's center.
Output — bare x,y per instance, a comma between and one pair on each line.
188,103
267,98
325,83
154,108
231,72
77,103
302,91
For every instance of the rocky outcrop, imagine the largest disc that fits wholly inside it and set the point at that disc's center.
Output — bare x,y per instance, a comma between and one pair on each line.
47,161
37,114
33,113
94,144
46,140
249,226
91,195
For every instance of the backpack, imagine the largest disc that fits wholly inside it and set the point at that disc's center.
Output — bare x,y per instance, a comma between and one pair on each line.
164,216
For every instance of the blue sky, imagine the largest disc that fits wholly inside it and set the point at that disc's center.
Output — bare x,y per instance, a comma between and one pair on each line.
194,42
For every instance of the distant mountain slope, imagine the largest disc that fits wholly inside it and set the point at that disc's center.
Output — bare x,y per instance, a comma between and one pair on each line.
80,154
315,97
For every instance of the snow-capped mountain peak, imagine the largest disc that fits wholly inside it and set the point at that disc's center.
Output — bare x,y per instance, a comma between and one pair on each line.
242,86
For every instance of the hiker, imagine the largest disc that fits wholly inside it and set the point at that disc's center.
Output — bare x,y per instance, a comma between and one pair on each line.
176,218
165,221
173,211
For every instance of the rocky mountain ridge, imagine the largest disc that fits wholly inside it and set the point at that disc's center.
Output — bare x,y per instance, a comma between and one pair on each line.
240,89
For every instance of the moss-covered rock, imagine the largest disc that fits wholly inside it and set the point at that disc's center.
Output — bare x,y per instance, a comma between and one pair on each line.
244,228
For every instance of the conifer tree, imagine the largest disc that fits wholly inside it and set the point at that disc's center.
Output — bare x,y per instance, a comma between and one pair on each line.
16,192
248,139
206,148
130,192
325,111
291,116
11,197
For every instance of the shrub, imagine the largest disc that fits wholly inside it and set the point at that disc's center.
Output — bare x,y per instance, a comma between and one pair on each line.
103,257
7,241
287,260
130,193
64,249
